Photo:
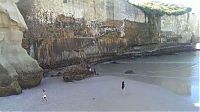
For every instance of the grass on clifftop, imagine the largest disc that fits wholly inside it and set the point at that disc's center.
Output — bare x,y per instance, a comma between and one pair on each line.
161,9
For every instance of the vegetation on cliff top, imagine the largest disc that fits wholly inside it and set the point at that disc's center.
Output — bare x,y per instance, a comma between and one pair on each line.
161,9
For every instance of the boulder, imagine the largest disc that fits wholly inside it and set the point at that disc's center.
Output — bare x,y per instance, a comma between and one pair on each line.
29,80
129,72
12,89
8,82
114,62
76,72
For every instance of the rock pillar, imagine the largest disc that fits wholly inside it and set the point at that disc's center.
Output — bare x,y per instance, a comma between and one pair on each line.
17,69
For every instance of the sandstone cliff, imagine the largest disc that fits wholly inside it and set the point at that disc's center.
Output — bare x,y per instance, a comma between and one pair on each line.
17,69
62,32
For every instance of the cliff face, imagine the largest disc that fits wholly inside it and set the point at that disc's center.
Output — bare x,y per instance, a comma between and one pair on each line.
59,30
174,23
186,27
90,10
55,52
62,32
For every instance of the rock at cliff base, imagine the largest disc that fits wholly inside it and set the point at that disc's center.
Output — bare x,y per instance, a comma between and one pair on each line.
114,62
30,80
13,89
129,72
8,83
17,68
76,72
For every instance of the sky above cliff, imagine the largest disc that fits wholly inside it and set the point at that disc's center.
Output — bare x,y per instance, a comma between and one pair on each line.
194,4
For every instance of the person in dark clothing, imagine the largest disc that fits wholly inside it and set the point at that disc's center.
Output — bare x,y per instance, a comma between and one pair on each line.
123,88
123,85
95,73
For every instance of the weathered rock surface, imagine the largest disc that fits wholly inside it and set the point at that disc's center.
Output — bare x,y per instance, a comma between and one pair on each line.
8,83
30,80
12,89
76,72
17,69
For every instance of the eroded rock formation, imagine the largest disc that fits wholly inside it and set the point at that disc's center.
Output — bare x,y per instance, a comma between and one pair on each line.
76,72
17,69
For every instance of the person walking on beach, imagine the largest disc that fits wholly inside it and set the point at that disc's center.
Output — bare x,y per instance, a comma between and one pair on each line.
123,88
90,69
44,96
95,73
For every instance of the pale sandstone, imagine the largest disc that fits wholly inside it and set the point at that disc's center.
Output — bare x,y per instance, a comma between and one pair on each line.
17,68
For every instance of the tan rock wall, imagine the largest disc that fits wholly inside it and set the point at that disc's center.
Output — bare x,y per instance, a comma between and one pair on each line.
90,10
186,26
54,52
63,31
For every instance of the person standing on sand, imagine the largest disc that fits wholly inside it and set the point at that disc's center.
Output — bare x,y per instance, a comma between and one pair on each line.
90,69
123,88
44,96
95,73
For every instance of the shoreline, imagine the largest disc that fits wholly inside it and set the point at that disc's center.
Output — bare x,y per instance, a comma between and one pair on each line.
154,51
135,52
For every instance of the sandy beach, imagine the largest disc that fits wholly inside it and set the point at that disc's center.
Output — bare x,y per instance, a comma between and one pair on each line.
97,94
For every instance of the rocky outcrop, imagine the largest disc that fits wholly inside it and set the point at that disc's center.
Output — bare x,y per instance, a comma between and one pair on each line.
8,83
76,72
17,69
29,80
11,89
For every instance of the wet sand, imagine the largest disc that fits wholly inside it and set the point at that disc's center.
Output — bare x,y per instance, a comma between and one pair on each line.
178,73
97,94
